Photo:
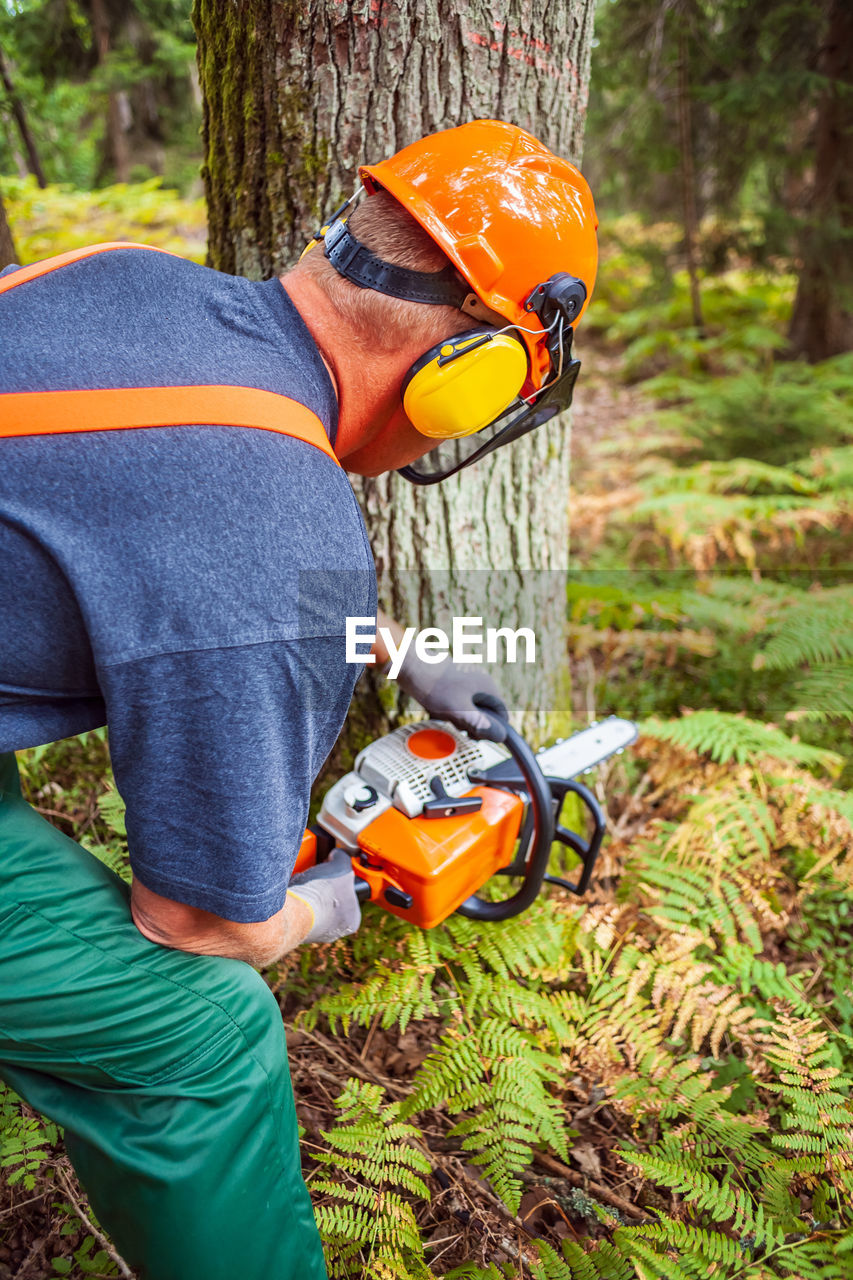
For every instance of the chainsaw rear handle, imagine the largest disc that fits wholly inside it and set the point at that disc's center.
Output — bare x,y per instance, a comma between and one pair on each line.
540,824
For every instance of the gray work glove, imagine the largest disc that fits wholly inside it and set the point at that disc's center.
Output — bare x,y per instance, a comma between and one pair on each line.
329,890
451,692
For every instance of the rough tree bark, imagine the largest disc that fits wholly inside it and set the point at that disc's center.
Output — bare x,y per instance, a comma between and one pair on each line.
822,322
297,94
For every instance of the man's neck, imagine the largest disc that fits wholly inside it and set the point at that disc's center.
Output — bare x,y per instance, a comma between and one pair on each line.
366,382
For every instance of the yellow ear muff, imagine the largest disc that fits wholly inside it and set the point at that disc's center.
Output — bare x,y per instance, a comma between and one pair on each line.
461,385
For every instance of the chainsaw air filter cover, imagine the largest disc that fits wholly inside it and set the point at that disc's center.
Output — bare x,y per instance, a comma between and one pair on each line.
403,764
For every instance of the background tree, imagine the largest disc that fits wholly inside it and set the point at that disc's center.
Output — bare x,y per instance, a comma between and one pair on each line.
822,323
7,244
295,98
16,108
108,88
767,89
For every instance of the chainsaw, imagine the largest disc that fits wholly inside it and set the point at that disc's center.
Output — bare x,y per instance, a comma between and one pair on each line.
430,814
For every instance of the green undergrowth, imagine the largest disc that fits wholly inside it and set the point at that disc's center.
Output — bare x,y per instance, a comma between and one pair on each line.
694,1000
677,1003
777,650
742,459
57,218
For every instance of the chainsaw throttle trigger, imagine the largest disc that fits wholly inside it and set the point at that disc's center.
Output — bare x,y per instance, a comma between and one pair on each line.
447,806
362,889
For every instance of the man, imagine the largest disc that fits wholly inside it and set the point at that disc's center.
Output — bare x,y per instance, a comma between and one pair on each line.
179,549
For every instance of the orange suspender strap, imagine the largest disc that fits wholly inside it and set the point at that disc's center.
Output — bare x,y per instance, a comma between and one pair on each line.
36,413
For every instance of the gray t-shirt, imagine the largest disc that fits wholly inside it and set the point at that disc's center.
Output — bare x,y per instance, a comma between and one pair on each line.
185,585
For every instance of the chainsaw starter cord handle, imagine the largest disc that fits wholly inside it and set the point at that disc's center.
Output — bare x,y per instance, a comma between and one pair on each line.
538,850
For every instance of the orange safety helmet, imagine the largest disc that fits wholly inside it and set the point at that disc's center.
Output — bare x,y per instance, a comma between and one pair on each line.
506,211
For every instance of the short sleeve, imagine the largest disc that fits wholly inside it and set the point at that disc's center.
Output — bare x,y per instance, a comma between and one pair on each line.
214,752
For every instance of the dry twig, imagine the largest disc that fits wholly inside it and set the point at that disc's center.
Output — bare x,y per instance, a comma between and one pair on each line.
98,1235
555,1166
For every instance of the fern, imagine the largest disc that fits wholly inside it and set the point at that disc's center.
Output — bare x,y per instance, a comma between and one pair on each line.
25,1140
692,897
726,737
368,1227
603,1262
826,693
819,629
432,969
696,1243
112,809
817,1113
760,980
496,1072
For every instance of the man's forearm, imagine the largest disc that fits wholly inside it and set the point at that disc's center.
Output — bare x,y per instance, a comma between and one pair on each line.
173,924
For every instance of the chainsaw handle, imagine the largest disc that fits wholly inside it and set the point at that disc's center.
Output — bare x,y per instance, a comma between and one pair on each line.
537,851
362,889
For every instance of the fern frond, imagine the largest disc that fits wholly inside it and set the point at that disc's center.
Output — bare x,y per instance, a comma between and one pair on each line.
112,809
686,1239
817,1112
826,693
25,1139
496,1071
372,1163
820,629
725,736
603,1262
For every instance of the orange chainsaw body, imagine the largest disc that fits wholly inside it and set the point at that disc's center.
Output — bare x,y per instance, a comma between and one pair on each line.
307,855
439,861
426,830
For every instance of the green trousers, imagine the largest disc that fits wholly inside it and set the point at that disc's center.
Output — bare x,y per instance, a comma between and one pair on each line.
168,1071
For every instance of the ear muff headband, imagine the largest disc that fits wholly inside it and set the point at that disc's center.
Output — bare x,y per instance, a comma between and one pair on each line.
461,385
354,260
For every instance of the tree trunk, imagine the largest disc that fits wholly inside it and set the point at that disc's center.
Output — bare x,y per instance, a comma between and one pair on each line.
117,152
822,322
7,244
688,177
33,160
296,96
